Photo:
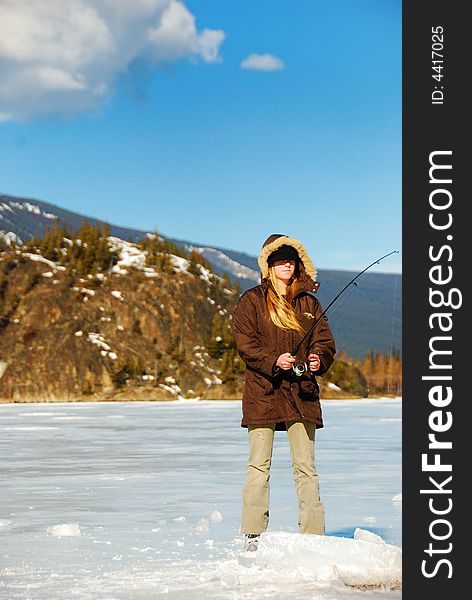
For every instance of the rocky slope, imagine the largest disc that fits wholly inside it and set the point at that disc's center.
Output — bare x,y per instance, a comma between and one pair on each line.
131,332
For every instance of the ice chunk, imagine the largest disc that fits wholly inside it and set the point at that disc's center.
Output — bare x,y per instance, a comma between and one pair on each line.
216,517
65,529
366,560
179,519
368,536
5,522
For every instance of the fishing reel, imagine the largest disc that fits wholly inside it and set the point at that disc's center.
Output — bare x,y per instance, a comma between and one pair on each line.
299,368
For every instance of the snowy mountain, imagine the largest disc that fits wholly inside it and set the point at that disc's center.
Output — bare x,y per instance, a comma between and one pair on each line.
378,295
223,263
22,219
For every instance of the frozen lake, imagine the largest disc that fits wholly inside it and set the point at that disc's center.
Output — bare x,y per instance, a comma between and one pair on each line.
151,493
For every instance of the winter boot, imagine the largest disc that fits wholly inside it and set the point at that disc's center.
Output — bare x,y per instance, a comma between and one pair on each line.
251,541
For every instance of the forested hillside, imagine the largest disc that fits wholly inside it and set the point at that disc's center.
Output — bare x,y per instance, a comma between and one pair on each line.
86,315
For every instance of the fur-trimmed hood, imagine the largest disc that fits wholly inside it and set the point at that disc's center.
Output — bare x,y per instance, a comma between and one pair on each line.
275,241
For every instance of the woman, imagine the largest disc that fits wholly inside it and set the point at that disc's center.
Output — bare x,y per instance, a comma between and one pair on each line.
268,322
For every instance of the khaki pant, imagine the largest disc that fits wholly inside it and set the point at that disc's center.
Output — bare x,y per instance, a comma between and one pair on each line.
301,436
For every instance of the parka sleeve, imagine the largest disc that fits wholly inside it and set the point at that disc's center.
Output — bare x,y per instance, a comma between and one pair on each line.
322,341
250,349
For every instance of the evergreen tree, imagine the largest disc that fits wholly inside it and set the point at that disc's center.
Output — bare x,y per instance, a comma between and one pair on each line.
216,346
194,259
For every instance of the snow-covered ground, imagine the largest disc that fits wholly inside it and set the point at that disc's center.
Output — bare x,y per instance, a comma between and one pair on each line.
141,500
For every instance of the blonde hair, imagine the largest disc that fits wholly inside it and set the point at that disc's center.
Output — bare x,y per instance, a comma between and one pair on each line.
281,312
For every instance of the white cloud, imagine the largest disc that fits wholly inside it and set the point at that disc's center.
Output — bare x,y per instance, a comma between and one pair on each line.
262,62
63,56
176,36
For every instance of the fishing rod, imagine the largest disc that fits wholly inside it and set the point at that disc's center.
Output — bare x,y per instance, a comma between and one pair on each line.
300,367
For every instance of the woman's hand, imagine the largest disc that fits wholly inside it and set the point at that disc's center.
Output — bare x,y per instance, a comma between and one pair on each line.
314,362
285,361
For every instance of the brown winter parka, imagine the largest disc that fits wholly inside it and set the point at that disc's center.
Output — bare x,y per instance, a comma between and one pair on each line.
271,397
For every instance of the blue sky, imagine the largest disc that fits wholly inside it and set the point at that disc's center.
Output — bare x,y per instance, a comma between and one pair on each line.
177,135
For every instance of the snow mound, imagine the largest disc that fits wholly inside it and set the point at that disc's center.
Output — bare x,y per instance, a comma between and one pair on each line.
5,522
216,517
65,530
397,501
364,561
